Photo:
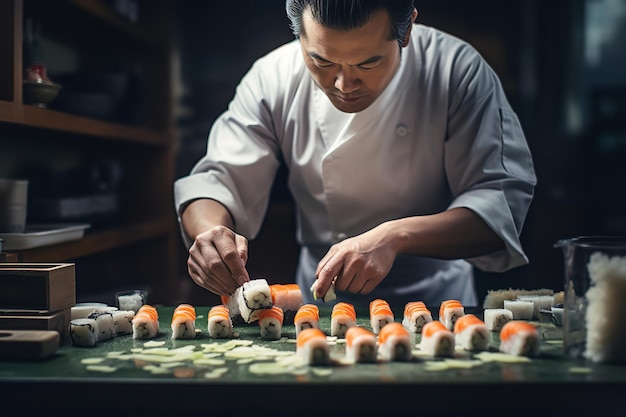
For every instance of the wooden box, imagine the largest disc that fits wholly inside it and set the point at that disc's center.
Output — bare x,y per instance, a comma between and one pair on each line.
59,321
36,287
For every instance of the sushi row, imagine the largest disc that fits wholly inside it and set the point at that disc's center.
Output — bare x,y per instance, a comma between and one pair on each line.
100,326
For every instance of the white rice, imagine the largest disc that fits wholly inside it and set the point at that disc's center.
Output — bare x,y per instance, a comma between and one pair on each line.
522,310
605,321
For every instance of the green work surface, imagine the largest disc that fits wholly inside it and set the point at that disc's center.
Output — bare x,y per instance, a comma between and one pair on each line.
551,382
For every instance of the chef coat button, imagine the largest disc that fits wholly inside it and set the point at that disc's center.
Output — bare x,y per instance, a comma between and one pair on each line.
341,236
401,130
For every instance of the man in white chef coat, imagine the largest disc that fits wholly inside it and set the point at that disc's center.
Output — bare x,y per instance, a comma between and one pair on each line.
406,163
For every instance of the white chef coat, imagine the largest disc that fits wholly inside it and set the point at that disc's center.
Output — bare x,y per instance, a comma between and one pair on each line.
441,135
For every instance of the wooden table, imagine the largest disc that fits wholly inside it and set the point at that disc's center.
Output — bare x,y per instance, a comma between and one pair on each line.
548,385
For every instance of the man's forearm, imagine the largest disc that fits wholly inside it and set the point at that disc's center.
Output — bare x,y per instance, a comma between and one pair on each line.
452,234
201,215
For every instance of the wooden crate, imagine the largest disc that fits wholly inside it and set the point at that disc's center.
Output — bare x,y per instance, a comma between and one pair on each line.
36,287
59,321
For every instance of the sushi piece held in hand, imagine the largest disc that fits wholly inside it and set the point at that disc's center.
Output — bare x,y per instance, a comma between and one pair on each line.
361,344
184,322
312,347
250,298
342,317
83,332
416,315
449,312
271,323
471,333
394,342
330,293
146,322
437,340
307,317
496,318
520,338
220,324
380,314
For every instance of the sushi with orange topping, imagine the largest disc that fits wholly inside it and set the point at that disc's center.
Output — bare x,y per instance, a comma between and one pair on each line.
361,344
380,314
449,312
146,322
288,297
416,315
312,347
220,324
307,317
520,338
271,323
394,342
437,339
471,333
342,317
184,322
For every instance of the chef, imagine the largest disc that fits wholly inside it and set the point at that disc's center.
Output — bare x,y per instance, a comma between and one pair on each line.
407,164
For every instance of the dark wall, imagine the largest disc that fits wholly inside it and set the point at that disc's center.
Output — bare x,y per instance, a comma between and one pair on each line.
573,111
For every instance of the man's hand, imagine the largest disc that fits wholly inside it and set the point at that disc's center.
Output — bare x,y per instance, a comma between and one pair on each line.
217,260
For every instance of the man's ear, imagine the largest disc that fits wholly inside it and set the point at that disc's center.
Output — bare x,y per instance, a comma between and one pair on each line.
408,32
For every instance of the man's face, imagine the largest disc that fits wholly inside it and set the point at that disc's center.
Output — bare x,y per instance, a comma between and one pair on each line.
353,68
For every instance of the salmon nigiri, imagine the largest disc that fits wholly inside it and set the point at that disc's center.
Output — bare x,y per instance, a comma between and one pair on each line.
437,340
471,333
520,338
342,317
183,322
220,324
271,323
394,342
380,314
312,347
307,317
146,322
449,312
416,315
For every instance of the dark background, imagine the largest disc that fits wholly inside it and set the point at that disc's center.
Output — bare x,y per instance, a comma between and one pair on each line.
561,63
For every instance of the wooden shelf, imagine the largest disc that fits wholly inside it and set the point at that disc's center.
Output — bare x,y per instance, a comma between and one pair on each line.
43,118
98,242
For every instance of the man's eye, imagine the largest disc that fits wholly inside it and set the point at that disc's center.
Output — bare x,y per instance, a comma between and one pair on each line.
369,66
323,64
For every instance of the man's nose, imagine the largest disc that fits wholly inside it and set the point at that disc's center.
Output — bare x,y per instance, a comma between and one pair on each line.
347,81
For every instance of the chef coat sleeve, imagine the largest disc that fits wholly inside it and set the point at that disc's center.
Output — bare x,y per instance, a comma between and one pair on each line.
487,159
241,160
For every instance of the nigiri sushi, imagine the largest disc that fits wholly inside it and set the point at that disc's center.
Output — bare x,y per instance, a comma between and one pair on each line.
342,317
361,344
380,314
520,338
449,311
437,339
495,318
271,323
471,333
312,347
394,342
288,297
146,322
307,317
184,322
416,315
220,325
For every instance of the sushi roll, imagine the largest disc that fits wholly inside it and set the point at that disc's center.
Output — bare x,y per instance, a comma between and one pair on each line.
495,318
123,322
520,338
330,293
380,314
288,297
105,327
416,315
83,332
394,342
342,317
449,312
471,333
184,322
521,309
312,347
361,344
307,317
437,339
146,322
251,297
220,324
271,323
